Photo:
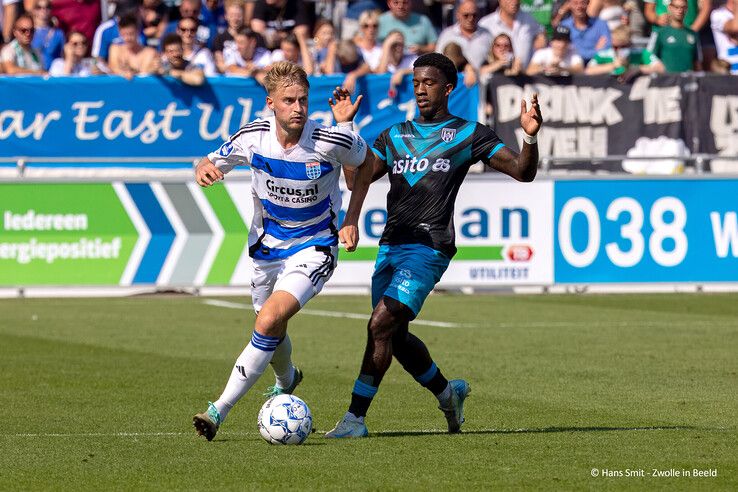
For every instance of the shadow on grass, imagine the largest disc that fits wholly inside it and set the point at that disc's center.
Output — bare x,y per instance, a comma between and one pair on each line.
314,441
543,430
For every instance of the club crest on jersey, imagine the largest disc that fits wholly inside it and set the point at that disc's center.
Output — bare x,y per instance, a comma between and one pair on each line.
312,169
225,149
448,134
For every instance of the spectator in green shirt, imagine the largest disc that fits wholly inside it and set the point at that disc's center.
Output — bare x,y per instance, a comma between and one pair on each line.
696,16
541,11
622,59
677,47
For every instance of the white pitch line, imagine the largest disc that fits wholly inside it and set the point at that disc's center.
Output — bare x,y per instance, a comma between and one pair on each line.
333,314
103,434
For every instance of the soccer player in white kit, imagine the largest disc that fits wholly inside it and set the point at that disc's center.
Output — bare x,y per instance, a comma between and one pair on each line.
293,240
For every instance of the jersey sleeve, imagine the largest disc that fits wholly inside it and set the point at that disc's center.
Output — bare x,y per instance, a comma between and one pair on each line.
380,146
340,145
236,151
486,143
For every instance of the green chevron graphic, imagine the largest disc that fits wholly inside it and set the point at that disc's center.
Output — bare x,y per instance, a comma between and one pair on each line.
63,234
234,241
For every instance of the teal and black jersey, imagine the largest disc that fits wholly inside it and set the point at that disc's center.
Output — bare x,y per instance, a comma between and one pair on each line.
426,164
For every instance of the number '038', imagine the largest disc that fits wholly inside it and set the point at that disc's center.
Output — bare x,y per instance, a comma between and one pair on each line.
630,230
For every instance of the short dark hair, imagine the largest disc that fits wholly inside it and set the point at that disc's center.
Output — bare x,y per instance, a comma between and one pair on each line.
128,20
442,63
170,39
248,32
291,38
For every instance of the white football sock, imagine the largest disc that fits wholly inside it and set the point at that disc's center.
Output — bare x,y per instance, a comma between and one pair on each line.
444,397
282,363
249,366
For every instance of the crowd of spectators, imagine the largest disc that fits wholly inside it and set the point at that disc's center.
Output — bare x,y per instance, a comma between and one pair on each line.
194,39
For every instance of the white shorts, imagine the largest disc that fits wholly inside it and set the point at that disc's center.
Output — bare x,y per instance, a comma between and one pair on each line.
303,275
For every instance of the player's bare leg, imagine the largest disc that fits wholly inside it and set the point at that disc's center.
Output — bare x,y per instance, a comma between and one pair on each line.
411,352
270,327
382,326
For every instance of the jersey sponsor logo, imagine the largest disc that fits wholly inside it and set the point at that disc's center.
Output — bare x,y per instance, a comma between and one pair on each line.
312,169
288,194
413,165
448,134
403,135
690,39
225,149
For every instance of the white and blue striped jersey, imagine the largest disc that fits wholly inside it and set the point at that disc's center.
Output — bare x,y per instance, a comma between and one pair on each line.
295,191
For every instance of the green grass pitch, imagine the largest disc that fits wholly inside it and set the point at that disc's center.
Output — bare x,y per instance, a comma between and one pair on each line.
99,394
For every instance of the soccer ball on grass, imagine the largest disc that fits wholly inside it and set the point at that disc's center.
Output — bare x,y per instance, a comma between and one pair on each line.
285,419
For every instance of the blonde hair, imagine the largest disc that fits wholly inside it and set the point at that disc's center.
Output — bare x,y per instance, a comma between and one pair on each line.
369,15
621,32
233,3
285,74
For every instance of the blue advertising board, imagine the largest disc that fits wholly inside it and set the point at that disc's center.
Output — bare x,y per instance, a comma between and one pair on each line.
652,230
160,117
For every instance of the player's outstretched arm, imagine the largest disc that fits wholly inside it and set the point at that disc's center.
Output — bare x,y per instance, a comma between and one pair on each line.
523,166
349,233
206,173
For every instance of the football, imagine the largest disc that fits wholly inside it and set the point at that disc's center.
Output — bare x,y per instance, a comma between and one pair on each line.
285,419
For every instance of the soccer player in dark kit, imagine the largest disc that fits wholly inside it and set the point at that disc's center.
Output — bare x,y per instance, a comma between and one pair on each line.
427,160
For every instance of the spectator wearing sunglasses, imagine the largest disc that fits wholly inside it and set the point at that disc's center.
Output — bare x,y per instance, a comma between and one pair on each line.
366,38
194,51
501,58
473,39
75,62
47,39
18,56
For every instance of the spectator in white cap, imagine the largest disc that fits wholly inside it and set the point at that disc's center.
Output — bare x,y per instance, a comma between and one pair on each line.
558,59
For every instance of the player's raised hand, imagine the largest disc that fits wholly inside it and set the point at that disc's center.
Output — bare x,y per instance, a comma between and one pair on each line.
531,119
349,237
206,173
341,105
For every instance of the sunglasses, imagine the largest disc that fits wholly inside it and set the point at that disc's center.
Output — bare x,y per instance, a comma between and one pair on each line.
370,25
24,30
188,29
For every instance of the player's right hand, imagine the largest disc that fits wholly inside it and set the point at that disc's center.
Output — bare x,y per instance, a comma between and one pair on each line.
349,237
207,173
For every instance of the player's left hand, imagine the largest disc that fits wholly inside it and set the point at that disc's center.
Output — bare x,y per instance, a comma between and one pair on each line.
531,119
349,237
341,105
